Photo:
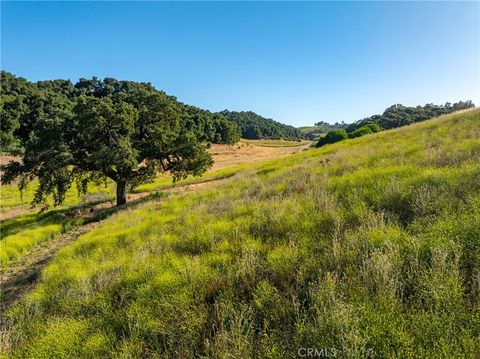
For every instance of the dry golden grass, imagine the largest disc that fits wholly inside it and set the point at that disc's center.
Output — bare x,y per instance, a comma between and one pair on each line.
247,151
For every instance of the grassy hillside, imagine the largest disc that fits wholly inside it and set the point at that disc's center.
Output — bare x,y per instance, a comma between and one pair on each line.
366,247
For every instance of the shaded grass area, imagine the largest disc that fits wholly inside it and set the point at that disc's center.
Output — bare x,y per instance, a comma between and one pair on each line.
370,247
19,278
22,234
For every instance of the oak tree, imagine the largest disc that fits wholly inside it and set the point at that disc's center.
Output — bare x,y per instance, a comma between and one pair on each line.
122,130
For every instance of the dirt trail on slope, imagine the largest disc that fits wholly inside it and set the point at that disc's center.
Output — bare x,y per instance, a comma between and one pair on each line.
21,277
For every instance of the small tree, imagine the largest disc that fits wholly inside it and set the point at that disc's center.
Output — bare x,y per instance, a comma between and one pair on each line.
332,137
125,131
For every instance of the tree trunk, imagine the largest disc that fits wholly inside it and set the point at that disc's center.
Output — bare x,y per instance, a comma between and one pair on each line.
121,193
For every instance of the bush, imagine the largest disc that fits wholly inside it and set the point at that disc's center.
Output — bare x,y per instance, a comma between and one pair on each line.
375,127
359,132
332,137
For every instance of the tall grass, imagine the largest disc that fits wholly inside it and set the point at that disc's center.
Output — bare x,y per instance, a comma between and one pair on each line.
365,248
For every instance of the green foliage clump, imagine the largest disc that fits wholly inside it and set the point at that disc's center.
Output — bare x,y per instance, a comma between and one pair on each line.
332,137
365,130
361,131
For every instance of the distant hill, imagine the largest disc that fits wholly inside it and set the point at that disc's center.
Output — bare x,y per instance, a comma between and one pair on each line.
254,126
315,131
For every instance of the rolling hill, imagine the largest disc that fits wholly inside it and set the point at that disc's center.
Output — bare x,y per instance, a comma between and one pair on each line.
369,247
254,126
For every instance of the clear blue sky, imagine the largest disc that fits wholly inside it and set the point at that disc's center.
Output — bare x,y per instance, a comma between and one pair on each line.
295,62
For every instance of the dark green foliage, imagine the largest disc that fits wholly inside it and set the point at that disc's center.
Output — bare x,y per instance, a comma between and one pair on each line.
310,135
13,107
374,127
21,104
255,127
210,127
399,115
122,130
332,137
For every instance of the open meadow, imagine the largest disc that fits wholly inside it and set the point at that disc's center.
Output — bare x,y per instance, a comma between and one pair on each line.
368,247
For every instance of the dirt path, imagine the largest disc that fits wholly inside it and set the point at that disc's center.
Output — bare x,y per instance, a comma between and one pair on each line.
21,277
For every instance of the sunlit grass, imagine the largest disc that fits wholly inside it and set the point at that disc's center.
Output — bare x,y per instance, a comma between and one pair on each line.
370,246
14,246
164,181
12,197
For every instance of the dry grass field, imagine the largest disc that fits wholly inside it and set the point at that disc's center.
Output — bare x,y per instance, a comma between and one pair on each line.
247,151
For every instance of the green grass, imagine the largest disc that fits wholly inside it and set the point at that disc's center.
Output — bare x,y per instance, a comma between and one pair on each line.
15,245
23,234
369,246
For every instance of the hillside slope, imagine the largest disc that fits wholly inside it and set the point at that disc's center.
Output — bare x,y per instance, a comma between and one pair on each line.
254,126
367,247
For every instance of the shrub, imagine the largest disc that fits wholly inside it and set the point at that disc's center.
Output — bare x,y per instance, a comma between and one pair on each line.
332,137
359,132
375,127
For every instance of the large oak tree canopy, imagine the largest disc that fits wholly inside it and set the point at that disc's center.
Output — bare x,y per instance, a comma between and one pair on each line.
122,130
